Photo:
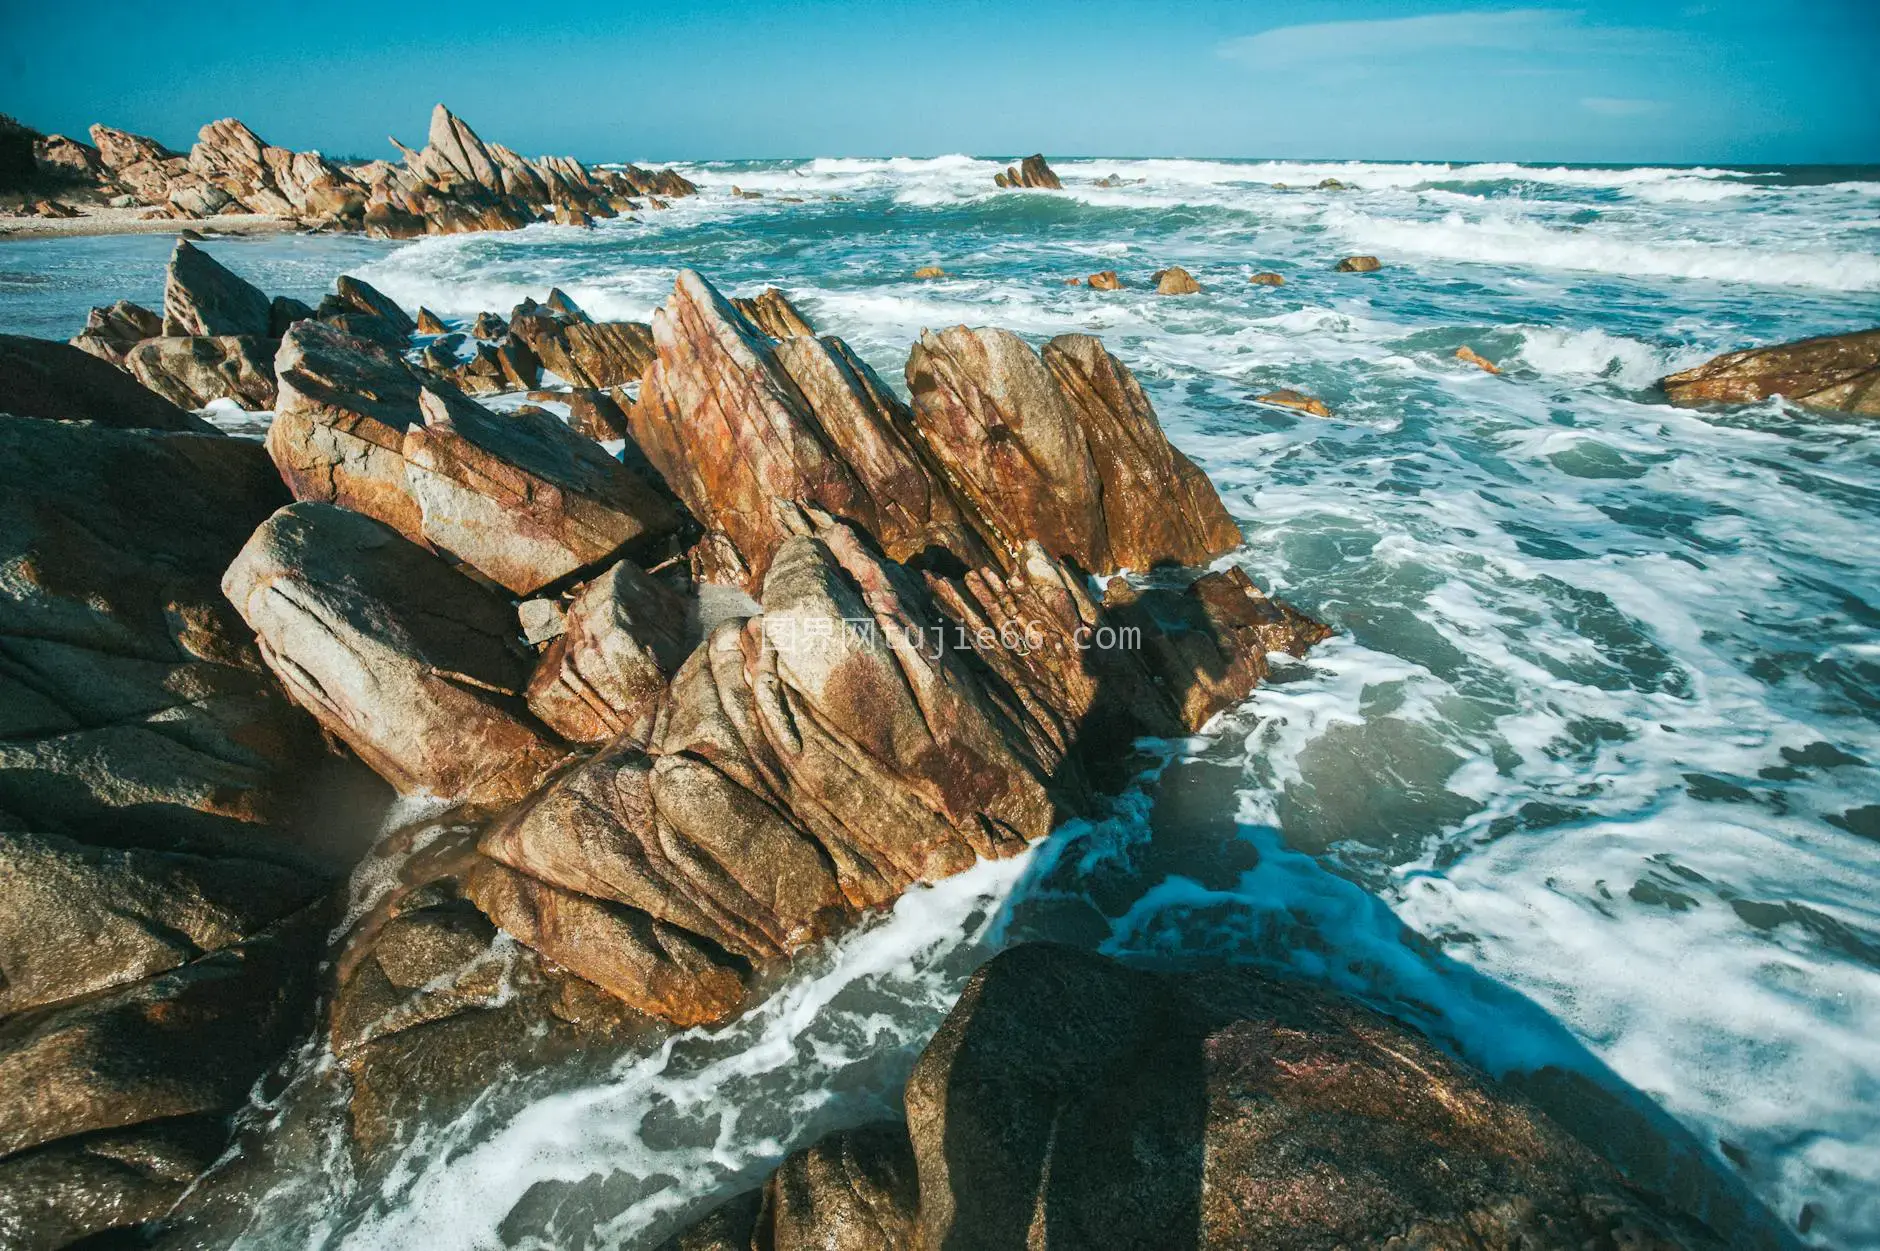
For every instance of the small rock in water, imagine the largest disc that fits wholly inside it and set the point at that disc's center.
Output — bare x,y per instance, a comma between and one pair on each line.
1358,265
1175,281
1266,278
1106,280
930,271
488,326
1332,184
1285,397
1469,354
429,322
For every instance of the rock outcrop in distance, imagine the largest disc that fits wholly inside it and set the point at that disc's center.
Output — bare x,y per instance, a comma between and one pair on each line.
455,183
1069,1102
1031,172
1833,373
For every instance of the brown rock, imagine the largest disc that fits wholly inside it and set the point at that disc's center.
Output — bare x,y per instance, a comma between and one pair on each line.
338,435
368,311
53,209
410,663
1469,355
655,968
738,424
1033,442
111,332
770,311
930,271
1299,400
1105,280
59,1195
68,160
1175,281
489,326
188,1041
1031,172
1358,265
58,382
588,354
191,371
624,637
76,919
597,414
430,323
201,297
522,498
1266,278
283,312
1834,373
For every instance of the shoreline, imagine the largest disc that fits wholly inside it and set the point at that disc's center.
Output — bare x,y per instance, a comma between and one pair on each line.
130,221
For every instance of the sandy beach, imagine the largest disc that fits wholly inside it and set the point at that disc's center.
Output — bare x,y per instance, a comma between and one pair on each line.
131,221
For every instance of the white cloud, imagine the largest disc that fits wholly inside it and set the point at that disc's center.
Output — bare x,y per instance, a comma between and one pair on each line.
1506,29
1614,106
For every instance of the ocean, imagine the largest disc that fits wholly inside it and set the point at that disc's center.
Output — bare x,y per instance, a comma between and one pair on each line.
1588,778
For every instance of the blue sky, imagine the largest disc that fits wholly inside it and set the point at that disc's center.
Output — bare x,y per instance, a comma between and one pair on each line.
1737,81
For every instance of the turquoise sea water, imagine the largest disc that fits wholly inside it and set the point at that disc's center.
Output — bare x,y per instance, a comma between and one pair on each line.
1590,775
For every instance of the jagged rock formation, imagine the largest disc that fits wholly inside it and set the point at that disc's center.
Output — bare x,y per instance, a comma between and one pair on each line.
1834,373
521,498
1002,445
192,371
1068,1102
456,182
1031,172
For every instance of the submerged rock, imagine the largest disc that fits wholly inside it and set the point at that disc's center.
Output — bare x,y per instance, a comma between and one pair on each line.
1834,373
1266,278
1069,1101
1358,265
1175,281
1469,356
1105,280
1285,397
1031,172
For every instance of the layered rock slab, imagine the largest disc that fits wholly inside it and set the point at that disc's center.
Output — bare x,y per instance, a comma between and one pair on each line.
410,663
60,382
1833,373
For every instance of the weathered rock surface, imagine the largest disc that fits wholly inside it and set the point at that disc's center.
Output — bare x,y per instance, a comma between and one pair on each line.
1070,1102
597,414
345,404
1266,278
855,1190
191,371
1062,448
54,1196
1834,373
111,332
588,354
76,918
605,673
739,423
1031,172
522,498
203,297
770,311
1105,280
133,706
59,382
1358,265
410,663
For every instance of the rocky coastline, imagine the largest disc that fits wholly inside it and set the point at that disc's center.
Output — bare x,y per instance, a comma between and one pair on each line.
736,652
232,177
